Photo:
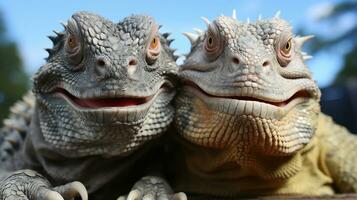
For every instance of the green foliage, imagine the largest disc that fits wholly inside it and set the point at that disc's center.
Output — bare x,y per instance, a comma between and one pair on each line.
13,80
322,42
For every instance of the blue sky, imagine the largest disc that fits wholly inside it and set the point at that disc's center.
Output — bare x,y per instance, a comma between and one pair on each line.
29,22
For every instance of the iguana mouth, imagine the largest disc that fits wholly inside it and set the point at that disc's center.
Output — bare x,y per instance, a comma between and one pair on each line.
298,94
104,102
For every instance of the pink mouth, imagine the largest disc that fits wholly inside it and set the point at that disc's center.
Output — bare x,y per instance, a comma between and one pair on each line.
103,102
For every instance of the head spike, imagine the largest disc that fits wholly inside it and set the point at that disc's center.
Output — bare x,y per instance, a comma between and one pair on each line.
198,31
260,17
207,22
64,24
49,51
57,33
301,40
248,20
169,41
234,14
191,36
307,57
52,38
277,14
165,35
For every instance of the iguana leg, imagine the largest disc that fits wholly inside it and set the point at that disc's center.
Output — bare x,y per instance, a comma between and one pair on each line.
341,155
152,188
29,185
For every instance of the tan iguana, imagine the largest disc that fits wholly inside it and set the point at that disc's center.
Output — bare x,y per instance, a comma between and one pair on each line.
249,119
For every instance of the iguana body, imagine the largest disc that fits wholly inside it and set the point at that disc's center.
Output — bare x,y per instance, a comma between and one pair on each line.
249,119
99,101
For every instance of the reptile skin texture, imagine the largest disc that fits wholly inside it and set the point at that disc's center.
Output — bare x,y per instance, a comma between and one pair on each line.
248,117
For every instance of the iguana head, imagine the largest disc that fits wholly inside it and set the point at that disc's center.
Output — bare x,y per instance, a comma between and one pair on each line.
246,87
106,87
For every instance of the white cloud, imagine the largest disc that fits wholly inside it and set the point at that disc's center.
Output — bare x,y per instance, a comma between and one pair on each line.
318,11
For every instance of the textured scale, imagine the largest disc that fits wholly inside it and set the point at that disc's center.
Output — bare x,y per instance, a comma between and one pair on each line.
249,119
16,126
89,128
341,159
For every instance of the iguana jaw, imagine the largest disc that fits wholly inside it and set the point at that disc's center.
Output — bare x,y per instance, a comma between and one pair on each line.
301,93
118,102
259,107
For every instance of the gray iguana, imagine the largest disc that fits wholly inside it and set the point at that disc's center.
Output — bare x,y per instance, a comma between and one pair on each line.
97,105
249,119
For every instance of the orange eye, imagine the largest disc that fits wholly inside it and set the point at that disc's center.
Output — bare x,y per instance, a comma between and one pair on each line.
73,48
153,50
286,49
213,45
284,53
72,42
154,43
210,41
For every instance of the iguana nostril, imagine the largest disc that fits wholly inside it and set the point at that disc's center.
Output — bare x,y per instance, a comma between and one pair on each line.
100,62
132,66
133,62
266,64
101,66
236,61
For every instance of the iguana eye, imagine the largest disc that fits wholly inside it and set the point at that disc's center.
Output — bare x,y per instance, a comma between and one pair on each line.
213,43
154,43
210,41
286,48
284,51
153,50
73,45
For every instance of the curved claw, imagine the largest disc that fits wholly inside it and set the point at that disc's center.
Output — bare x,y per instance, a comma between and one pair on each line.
122,198
179,196
149,197
72,190
53,196
135,195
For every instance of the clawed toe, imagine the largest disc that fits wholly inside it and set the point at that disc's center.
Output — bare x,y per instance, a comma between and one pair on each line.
73,190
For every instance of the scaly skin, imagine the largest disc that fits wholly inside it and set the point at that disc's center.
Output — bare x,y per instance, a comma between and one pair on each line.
249,119
340,147
97,105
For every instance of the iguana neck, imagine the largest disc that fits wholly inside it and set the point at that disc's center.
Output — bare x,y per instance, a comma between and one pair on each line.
219,162
94,171
217,172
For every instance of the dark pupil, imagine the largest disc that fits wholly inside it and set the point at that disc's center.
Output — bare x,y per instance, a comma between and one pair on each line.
154,40
71,42
287,45
210,40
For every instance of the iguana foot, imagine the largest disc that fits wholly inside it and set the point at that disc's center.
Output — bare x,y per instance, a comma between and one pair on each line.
29,185
152,188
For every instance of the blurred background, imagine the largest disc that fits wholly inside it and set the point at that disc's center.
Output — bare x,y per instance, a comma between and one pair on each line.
25,25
